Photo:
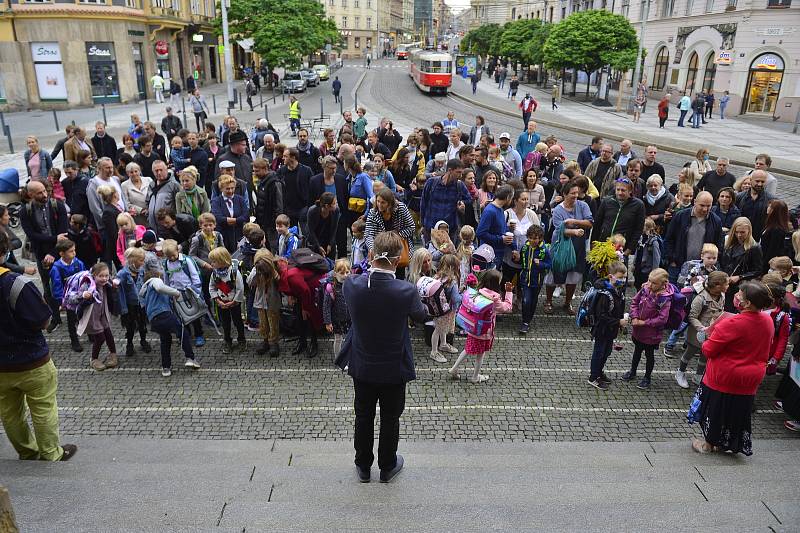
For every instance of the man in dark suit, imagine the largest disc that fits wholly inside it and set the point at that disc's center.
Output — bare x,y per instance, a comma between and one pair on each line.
377,354
231,213
320,184
103,143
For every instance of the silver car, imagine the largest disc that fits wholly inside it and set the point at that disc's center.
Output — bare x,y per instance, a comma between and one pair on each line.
311,77
293,82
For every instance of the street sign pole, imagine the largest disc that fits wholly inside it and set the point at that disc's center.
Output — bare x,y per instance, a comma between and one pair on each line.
227,53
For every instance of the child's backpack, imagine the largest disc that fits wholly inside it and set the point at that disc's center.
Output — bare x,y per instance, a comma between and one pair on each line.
190,307
677,310
585,316
683,277
434,295
184,260
76,285
325,285
476,314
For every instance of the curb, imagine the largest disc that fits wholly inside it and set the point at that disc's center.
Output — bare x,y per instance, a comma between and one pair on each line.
617,137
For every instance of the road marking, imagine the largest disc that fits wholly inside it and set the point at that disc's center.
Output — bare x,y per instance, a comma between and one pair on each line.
122,340
415,408
327,370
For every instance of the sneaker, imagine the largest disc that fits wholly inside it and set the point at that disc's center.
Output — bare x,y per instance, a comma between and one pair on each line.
439,358
69,451
76,345
199,341
480,378
53,326
166,372
97,364
523,329
680,377
644,384
453,374
602,385
448,348
227,347
792,425
669,351
129,351
778,405
604,378
387,475
111,361
192,363
146,348
251,327
628,376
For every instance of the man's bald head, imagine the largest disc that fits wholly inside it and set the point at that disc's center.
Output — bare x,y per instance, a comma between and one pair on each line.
346,150
758,179
37,191
702,204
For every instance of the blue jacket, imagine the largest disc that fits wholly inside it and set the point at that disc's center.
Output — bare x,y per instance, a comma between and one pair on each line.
60,272
726,219
45,163
231,235
377,348
523,146
156,296
491,229
586,156
677,234
129,288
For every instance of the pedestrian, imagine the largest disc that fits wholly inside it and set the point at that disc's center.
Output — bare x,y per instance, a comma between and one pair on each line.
294,114
157,82
663,110
250,91
536,261
607,310
377,354
133,316
556,93
474,79
180,273
65,267
199,108
698,110
95,316
226,289
263,283
528,105
684,105
495,299
37,161
723,103
709,104
174,93
336,86
448,274
737,348
513,87
369,61
28,377
335,314
650,310
156,297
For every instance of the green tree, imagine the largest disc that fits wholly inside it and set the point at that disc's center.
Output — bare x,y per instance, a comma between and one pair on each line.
589,40
483,40
522,41
283,31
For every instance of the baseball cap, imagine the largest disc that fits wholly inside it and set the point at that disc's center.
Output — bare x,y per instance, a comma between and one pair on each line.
505,135
227,164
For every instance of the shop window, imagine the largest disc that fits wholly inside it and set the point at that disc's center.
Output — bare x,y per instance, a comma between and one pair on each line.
667,8
764,84
691,74
662,65
710,73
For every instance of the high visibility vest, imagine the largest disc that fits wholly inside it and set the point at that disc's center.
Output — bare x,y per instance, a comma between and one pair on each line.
294,110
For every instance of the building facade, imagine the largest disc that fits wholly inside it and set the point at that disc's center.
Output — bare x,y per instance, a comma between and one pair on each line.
362,29
67,53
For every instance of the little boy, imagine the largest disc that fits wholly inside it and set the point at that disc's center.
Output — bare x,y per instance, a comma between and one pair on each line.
358,250
618,241
132,315
151,260
178,154
88,244
287,237
536,261
181,273
245,254
608,312
226,288
65,267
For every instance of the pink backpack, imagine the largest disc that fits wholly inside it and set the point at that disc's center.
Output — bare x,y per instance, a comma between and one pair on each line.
76,285
476,314
434,295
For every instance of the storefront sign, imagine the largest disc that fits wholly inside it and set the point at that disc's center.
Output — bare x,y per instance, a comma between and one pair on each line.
49,71
162,49
768,62
724,57
100,51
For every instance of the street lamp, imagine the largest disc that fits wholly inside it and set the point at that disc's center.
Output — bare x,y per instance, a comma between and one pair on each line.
227,53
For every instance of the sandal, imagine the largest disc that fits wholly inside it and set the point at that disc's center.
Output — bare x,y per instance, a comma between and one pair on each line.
569,310
702,447
548,309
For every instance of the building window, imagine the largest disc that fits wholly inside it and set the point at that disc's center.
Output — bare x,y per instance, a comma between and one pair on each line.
551,14
731,5
344,3
211,7
369,23
344,22
330,3
710,73
691,74
709,6
369,4
356,4
689,6
667,8
778,4
357,41
513,13
134,4
662,65
176,6
195,7
93,1
626,7
358,23
157,3
563,13
38,1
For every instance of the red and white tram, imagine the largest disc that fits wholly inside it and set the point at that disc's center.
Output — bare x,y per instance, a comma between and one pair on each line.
431,71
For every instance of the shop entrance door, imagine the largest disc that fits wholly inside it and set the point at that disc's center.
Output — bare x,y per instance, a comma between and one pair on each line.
103,77
764,88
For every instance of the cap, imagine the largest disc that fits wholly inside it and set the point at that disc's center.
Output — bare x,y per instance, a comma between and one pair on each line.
149,237
440,157
505,135
483,256
227,164
237,136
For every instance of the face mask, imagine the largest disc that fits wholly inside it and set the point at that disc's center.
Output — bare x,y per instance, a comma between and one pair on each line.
737,302
619,282
705,157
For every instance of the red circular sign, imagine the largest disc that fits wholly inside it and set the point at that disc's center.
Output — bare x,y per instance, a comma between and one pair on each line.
162,48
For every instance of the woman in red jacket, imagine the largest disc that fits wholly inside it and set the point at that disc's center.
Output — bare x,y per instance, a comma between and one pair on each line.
737,352
298,284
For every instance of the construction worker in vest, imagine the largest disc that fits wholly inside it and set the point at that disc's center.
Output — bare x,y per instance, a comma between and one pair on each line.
294,115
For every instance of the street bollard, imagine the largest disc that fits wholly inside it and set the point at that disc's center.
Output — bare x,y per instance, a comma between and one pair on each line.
341,106
260,98
146,109
55,118
2,120
266,113
355,100
7,133
794,130
320,108
105,118
183,105
214,102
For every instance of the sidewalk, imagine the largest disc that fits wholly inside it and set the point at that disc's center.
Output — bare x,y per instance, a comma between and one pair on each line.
738,140
128,484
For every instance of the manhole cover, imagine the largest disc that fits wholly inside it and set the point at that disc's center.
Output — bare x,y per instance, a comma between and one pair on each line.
742,145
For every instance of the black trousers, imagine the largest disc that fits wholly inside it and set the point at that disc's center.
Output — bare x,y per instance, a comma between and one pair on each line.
135,319
234,314
392,398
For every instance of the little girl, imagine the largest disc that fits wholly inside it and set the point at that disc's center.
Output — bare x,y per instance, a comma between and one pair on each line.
263,282
54,187
464,254
649,314
156,297
178,155
335,315
448,275
440,243
779,313
489,287
421,264
649,252
96,317
129,232
358,248
226,289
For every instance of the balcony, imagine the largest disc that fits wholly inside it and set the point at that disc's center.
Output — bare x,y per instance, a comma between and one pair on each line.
165,12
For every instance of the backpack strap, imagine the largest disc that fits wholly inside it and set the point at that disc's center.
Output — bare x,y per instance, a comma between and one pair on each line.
16,290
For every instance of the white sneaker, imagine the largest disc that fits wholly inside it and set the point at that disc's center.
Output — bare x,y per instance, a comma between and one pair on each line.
166,372
680,377
191,363
448,348
439,358
480,378
557,292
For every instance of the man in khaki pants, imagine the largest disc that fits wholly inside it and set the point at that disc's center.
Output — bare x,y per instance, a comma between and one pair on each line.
27,374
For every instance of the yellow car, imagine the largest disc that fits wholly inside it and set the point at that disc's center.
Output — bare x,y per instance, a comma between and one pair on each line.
322,70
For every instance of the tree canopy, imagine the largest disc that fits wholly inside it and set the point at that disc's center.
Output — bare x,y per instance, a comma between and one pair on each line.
283,31
484,40
589,40
522,40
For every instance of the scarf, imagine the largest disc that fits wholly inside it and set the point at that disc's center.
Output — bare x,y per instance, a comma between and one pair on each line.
304,147
191,195
652,199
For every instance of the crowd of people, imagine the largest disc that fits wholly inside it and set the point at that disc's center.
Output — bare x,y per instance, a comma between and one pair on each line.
194,229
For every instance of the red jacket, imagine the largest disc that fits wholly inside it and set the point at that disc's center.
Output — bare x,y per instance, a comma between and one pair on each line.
737,353
300,283
780,338
663,108
530,107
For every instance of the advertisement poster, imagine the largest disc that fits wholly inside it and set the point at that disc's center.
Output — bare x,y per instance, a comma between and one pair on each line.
49,71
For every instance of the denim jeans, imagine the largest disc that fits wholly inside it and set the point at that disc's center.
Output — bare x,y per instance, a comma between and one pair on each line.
682,117
600,352
677,335
696,120
165,324
530,298
252,314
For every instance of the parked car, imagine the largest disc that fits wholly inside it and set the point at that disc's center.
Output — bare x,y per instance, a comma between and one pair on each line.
323,72
311,77
293,82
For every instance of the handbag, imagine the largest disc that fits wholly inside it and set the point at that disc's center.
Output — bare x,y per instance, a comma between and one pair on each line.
405,255
357,205
563,252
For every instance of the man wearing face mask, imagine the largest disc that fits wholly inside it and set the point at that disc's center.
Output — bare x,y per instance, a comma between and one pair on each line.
621,214
377,354
753,203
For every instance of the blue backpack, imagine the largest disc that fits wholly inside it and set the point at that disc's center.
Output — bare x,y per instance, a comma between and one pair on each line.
677,309
585,316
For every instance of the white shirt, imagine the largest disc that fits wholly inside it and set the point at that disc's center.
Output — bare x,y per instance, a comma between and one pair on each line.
452,151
